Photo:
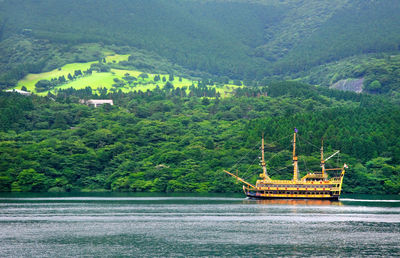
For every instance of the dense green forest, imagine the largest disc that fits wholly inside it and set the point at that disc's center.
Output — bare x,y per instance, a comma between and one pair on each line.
173,139
164,141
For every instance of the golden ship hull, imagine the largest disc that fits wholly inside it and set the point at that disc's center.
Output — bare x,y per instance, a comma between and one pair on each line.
305,192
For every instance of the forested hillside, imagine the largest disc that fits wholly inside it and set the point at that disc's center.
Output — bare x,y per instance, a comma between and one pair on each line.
238,39
164,141
380,73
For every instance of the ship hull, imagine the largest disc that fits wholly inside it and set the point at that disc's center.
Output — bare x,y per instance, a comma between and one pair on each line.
326,190
260,197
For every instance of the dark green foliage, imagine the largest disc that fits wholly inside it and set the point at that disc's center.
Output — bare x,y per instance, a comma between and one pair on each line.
143,75
12,108
43,85
381,72
237,82
129,78
163,140
62,79
77,73
239,39
362,27
100,67
179,139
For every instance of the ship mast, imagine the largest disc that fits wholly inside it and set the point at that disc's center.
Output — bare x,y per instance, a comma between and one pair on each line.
295,166
322,159
263,164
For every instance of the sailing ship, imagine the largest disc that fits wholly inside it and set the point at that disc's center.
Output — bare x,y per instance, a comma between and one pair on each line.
314,185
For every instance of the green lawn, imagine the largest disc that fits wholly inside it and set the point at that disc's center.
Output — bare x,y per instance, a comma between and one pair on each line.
116,58
31,79
96,80
106,79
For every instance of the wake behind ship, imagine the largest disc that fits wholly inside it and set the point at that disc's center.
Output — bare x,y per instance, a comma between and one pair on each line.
314,185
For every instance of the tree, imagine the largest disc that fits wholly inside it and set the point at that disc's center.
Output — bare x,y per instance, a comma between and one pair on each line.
205,101
59,122
374,86
29,180
70,77
171,77
143,75
62,79
209,144
168,86
43,85
237,82
77,73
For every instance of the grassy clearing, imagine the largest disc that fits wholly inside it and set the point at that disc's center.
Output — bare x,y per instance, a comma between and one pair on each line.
107,79
121,73
96,80
31,79
116,58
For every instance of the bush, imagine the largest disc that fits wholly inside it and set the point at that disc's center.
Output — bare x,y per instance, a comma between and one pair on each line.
43,85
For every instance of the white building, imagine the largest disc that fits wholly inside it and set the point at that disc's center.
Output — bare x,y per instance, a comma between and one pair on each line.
97,102
25,93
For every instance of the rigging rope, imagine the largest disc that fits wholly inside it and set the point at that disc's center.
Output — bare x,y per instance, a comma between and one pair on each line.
277,170
308,142
276,155
278,152
243,157
305,165
251,165
256,145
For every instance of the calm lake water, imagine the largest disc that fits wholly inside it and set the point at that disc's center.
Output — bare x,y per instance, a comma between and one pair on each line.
142,225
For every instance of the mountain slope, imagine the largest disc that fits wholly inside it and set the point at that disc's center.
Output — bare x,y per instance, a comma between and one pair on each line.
238,39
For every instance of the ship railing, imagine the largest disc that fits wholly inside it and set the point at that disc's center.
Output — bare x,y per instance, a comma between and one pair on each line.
281,181
335,179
